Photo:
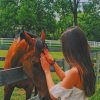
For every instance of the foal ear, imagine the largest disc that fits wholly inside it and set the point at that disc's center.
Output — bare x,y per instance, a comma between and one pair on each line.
43,36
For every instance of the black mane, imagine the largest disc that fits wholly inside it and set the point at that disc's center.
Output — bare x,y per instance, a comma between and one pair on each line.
40,45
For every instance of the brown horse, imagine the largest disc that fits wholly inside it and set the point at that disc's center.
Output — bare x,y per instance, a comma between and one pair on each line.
26,52
36,73
15,58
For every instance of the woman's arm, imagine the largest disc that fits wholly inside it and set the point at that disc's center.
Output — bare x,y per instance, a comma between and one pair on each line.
50,83
59,71
67,82
46,69
57,68
49,79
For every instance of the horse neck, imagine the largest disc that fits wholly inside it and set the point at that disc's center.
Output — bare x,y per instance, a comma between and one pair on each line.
40,81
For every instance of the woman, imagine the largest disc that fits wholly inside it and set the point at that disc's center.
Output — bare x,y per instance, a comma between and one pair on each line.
78,83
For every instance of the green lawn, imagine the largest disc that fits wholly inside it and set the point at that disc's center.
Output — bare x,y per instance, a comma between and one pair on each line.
19,94
3,53
1,64
56,55
96,96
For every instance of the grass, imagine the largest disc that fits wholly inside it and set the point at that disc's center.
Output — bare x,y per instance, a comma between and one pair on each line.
56,55
1,64
96,96
19,94
3,53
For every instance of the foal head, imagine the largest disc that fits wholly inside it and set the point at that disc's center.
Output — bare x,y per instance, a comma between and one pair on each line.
25,52
19,48
38,75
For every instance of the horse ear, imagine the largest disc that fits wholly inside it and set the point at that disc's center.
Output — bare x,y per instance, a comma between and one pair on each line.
43,36
28,38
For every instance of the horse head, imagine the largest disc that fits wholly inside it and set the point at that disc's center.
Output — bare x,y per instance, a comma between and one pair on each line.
32,66
19,48
25,51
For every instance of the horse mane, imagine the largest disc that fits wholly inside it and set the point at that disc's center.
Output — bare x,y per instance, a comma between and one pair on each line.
40,45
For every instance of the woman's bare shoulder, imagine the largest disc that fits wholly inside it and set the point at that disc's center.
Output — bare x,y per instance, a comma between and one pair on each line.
72,71
76,76
71,78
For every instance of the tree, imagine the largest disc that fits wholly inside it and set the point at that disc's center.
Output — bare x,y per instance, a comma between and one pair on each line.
89,20
26,15
74,6
8,20
52,16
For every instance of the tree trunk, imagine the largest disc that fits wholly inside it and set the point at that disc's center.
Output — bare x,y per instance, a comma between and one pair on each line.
75,13
74,6
75,23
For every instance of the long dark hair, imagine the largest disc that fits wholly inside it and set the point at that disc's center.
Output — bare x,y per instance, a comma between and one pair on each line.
76,50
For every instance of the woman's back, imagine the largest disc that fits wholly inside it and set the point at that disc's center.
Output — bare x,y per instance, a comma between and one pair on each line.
67,94
74,92
80,80
77,77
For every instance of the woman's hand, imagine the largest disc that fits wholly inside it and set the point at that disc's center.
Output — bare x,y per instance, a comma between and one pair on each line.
44,63
49,57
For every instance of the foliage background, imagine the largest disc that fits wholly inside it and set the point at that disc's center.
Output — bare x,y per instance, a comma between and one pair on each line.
52,16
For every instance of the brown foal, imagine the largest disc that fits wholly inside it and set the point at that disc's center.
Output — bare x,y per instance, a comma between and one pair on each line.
25,51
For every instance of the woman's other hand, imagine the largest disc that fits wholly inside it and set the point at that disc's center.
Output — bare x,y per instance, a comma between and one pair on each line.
44,63
49,57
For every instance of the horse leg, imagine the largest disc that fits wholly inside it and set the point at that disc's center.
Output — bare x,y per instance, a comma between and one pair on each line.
28,92
27,68
8,89
29,88
36,91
